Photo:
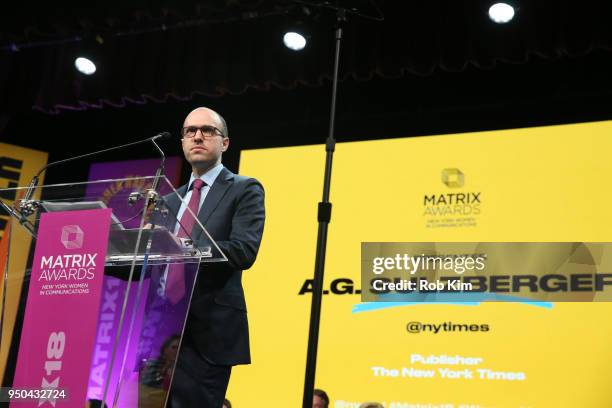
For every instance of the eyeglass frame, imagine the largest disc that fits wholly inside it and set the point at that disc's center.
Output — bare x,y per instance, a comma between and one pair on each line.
214,129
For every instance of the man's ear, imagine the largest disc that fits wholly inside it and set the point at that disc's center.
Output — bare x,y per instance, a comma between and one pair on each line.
225,143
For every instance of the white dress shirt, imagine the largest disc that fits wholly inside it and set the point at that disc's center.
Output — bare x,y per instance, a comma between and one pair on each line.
209,178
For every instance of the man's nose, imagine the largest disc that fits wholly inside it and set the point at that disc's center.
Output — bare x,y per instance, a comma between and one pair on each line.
199,134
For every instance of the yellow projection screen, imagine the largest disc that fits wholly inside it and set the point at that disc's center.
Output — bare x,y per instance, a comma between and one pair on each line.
544,184
18,165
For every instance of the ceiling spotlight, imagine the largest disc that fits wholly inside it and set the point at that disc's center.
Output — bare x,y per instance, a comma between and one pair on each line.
85,66
294,41
501,13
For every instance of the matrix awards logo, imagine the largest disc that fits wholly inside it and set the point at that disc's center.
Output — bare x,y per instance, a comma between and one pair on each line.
453,178
453,207
66,268
72,237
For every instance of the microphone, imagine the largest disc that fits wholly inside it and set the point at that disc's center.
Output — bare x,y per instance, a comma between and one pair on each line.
162,136
26,205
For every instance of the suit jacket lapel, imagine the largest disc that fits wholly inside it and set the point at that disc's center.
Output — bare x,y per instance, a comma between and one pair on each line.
217,191
215,194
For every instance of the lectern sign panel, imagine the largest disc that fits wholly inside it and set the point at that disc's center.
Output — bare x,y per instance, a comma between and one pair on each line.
62,307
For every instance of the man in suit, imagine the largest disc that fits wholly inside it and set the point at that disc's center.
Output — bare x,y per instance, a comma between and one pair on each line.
231,208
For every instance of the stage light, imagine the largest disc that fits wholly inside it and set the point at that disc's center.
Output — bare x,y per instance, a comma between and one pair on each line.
501,13
85,66
294,40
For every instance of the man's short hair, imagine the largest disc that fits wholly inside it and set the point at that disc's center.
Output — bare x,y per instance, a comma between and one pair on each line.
223,125
323,395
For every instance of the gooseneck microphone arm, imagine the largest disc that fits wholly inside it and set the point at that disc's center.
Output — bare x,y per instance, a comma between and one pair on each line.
161,135
161,171
27,206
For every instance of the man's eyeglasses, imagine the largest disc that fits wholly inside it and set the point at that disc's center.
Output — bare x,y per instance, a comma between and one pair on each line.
208,132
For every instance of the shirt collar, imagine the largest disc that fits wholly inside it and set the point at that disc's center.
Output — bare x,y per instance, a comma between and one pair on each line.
209,177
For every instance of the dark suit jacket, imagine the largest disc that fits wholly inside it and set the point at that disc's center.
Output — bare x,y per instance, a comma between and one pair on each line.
233,214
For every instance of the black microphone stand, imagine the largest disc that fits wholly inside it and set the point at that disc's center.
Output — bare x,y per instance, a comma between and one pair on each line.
323,218
324,209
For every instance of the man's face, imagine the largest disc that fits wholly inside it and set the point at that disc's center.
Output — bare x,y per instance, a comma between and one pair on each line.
199,151
317,402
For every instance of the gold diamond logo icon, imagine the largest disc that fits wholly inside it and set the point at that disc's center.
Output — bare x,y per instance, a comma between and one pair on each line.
453,178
